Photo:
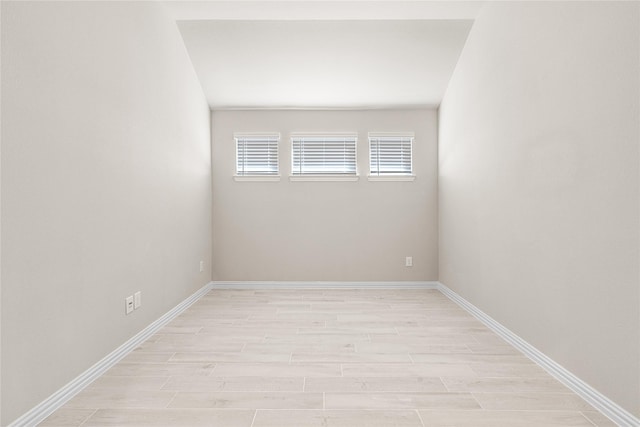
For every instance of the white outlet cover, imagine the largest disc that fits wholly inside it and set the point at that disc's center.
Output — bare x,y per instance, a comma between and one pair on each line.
409,262
137,300
128,304
201,266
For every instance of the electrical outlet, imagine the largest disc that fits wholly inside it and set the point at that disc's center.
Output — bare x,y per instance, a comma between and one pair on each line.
201,266
128,301
137,300
408,262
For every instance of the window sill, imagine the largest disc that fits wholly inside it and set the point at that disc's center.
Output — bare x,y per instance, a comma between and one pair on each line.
256,178
325,178
397,178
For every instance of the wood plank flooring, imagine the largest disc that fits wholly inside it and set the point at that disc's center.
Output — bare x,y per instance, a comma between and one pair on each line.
330,358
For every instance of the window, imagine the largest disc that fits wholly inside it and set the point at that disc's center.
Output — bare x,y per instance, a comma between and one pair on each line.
324,155
390,155
257,155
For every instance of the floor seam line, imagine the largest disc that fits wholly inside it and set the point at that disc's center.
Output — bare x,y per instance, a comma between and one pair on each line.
87,419
420,418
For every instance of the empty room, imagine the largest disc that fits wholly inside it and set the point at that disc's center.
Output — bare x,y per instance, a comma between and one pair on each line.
306,213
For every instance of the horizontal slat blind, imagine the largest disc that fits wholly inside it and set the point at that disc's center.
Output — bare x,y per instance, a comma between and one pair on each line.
390,155
257,155
317,155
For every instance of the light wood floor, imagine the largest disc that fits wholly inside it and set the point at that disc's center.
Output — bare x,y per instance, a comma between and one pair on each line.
334,358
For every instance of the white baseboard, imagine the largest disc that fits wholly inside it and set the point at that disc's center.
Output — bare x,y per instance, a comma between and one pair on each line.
596,399
322,285
66,393
616,413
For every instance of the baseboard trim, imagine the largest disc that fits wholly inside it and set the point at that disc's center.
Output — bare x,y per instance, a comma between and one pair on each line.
58,399
609,408
322,285
615,412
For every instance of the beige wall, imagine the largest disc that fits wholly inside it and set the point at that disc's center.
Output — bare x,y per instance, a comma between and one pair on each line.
324,231
538,173
105,185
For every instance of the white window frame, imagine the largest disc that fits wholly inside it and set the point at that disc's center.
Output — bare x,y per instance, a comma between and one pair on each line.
324,176
268,177
391,176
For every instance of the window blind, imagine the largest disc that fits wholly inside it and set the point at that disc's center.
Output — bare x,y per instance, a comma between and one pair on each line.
318,155
257,154
390,154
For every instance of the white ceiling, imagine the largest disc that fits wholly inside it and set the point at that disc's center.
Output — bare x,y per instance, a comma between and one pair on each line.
279,10
324,54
